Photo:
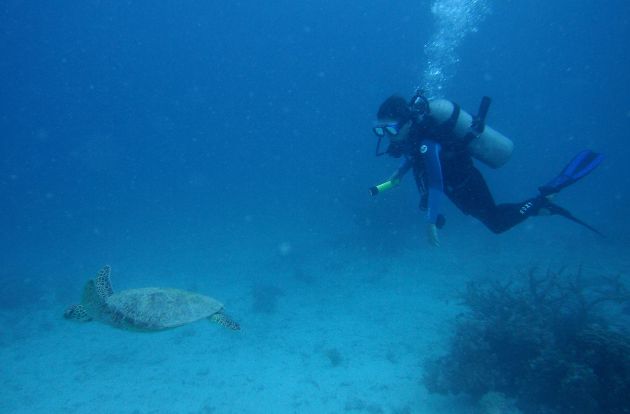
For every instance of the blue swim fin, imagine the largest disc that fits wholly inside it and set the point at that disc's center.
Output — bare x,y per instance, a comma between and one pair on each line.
582,164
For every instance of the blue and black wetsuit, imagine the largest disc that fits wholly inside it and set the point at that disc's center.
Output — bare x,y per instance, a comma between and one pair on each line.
440,172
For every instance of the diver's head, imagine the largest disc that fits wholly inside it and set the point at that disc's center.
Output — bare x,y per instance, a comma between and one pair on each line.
394,119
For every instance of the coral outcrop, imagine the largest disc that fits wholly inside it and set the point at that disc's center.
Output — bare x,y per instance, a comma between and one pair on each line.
548,342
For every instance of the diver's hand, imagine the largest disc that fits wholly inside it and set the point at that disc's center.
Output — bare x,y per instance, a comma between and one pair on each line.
432,235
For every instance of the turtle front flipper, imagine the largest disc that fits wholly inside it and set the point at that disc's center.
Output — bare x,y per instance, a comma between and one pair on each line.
224,320
103,284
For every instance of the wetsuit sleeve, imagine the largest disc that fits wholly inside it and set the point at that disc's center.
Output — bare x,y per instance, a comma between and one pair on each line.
434,180
405,165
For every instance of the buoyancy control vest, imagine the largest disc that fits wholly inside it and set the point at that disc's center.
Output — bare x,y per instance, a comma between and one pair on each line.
452,126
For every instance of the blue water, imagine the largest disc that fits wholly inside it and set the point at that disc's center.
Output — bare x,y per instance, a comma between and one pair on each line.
219,146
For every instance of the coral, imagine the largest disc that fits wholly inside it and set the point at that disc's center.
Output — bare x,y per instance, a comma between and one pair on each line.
544,342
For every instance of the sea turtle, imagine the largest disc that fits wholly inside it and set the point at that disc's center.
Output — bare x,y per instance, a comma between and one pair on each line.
145,309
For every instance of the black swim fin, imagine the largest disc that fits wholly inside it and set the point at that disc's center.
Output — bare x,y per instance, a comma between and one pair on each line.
555,209
580,166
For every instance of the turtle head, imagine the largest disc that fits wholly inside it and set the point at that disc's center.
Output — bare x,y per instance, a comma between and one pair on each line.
77,313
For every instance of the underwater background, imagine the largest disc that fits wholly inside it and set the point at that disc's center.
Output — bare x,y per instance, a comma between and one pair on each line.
226,148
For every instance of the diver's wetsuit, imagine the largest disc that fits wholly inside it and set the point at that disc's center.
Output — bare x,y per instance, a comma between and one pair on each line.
439,172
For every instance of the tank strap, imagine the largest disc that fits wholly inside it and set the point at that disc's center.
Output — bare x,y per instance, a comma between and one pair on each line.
443,131
447,127
468,138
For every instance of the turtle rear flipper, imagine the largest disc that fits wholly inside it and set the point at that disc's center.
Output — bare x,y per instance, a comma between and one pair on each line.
224,320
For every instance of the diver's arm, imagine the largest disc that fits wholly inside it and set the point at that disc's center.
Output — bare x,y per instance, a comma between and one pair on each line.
393,180
434,181
402,170
435,185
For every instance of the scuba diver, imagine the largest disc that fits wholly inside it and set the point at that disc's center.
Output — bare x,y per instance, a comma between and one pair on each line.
438,140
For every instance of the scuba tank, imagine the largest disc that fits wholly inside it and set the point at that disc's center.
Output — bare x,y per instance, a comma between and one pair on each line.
484,143
445,119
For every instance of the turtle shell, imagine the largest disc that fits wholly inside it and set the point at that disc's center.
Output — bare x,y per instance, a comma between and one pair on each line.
159,308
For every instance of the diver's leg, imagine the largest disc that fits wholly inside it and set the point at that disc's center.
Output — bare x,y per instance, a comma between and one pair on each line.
472,196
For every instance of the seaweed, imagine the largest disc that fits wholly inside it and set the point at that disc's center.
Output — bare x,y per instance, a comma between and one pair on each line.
544,341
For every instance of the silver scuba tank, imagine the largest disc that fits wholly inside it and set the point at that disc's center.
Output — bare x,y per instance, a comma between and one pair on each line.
484,143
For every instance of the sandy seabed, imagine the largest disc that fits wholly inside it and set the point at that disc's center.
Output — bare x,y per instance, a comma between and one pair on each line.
342,330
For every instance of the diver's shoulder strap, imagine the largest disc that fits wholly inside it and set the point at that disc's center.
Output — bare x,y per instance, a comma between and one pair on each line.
432,126
446,128
440,126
